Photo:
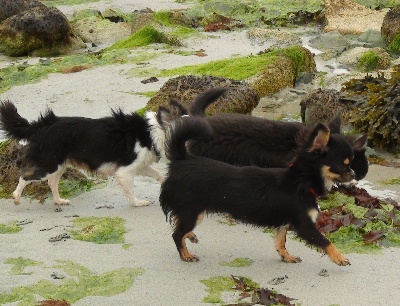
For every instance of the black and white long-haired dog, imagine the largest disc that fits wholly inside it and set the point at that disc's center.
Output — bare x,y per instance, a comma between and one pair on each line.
244,140
265,197
121,145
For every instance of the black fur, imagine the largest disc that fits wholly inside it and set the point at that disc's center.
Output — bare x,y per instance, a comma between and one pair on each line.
244,140
56,141
257,196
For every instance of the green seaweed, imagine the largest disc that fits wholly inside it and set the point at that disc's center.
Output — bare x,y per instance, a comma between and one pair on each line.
70,188
237,262
243,67
145,36
218,284
394,46
82,283
20,263
392,181
335,199
369,60
101,230
10,228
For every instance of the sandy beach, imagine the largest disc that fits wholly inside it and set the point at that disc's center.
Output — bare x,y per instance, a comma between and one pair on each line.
146,269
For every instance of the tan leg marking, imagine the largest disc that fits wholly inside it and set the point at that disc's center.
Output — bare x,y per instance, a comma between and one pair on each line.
335,256
192,237
280,241
184,253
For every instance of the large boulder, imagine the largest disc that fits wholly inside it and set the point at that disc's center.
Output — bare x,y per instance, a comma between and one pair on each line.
10,8
95,27
323,105
282,70
41,28
349,17
239,99
390,29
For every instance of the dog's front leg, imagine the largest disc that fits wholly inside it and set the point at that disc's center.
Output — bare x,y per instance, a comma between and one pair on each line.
307,230
280,245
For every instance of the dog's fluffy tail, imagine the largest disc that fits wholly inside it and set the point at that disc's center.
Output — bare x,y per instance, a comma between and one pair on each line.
185,129
18,127
199,105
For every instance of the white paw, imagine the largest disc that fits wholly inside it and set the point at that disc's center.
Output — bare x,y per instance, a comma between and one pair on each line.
62,202
137,203
17,198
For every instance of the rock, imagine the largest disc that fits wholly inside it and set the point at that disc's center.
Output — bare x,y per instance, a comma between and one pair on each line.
41,28
349,17
366,58
323,105
10,8
241,98
141,19
282,71
330,42
277,37
93,28
390,29
371,38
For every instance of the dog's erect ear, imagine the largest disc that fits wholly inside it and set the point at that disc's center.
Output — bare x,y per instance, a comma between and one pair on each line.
177,109
163,115
335,124
360,144
319,137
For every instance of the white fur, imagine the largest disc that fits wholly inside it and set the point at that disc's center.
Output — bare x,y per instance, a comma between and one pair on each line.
313,213
156,131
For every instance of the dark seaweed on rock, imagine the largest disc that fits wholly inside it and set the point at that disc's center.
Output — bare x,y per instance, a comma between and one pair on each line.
379,115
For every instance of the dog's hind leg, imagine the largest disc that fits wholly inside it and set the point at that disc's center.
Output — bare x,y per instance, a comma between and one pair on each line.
53,181
125,178
151,172
18,191
280,245
183,230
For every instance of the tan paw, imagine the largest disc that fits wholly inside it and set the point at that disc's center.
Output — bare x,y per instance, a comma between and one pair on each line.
190,258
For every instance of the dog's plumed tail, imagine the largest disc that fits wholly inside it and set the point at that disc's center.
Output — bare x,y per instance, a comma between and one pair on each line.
182,130
18,127
199,105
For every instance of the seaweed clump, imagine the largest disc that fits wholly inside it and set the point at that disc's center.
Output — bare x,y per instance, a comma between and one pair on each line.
379,114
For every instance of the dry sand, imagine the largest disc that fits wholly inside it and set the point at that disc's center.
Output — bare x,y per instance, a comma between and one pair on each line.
166,280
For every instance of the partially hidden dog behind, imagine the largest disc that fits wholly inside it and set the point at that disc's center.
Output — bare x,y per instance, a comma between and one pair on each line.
278,198
245,140
121,145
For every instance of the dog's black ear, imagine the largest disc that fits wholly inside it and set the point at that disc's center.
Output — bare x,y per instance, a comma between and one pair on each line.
319,137
360,144
335,124
177,109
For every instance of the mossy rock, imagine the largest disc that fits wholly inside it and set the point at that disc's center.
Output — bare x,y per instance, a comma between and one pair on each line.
390,29
282,69
240,98
323,105
141,19
10,8
92,27
366,59
40,28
